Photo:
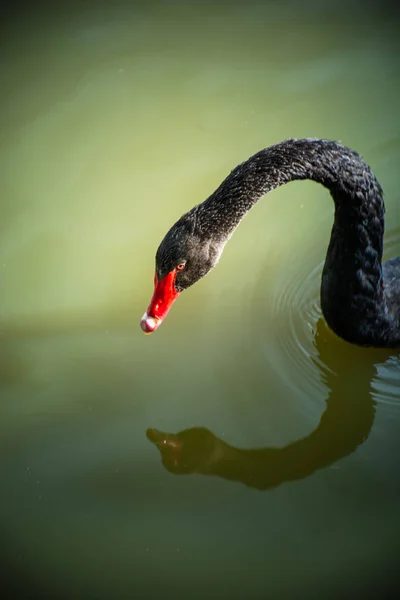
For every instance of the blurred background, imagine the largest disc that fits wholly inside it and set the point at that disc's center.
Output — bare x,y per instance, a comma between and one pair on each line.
117,117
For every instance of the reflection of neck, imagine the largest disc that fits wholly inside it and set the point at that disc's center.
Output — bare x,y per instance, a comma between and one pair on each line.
343,427
345,424
251,467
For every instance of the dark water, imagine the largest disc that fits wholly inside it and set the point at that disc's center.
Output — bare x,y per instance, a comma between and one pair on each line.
117,117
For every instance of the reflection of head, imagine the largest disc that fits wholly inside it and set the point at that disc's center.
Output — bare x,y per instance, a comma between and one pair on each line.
188,451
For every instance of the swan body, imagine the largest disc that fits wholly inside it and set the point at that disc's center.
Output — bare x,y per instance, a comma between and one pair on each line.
360,297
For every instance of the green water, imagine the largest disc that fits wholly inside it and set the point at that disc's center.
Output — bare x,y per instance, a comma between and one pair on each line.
116,117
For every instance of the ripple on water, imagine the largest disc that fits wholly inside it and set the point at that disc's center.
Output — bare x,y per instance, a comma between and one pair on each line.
386,384
294,306
295,315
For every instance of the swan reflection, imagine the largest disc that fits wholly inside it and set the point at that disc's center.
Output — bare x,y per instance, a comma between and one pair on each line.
344,425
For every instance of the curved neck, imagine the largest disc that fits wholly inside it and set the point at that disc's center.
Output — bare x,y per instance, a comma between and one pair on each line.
349,179
352,288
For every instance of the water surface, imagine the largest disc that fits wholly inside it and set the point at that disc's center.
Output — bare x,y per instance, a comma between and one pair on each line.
114,122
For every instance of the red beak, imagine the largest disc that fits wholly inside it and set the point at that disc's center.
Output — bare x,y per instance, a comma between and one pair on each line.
163,297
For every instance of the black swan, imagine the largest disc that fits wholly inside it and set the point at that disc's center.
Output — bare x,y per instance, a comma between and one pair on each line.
360,297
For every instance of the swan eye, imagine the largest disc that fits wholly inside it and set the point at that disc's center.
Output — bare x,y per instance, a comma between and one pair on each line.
181,266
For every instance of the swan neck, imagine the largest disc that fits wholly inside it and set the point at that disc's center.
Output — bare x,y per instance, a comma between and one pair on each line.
352,274
336,167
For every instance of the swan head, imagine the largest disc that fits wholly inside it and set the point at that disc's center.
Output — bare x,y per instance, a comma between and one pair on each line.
185,255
